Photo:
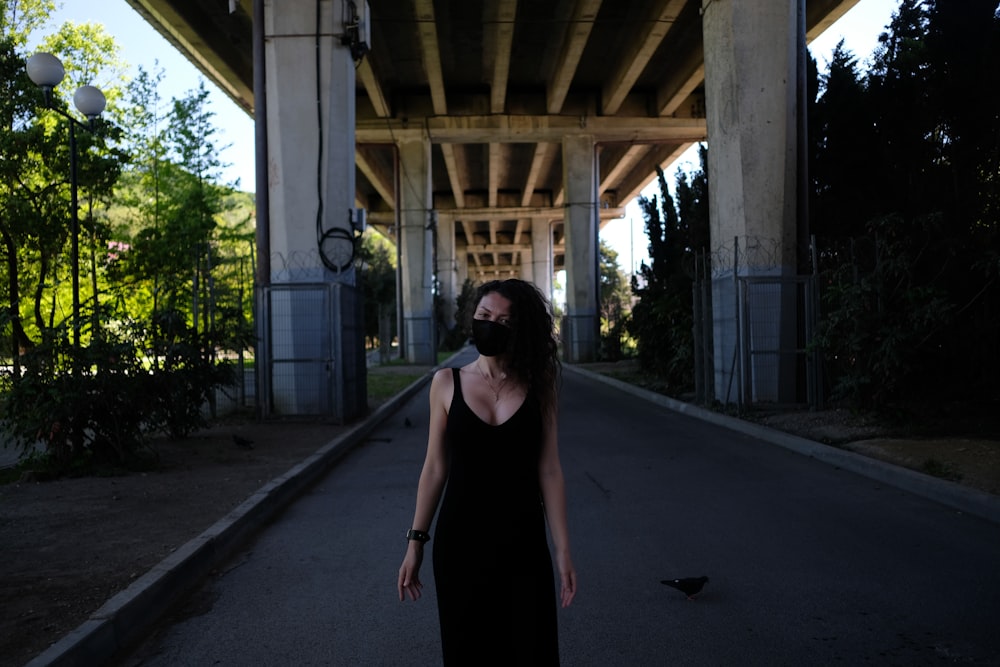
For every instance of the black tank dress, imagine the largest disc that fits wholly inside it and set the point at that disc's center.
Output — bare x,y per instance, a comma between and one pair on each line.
492,568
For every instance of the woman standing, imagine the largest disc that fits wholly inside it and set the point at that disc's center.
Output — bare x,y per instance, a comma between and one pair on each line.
493,439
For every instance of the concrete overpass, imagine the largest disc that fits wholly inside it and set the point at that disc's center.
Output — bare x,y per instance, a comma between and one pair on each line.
496,136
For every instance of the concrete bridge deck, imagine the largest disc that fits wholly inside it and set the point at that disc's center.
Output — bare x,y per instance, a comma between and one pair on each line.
810,563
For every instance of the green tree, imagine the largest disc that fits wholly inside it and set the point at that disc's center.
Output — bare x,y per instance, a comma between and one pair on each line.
20,18
21,142
661,319
36,195
376,271
200,200
90,56
615,297
144,369
841,125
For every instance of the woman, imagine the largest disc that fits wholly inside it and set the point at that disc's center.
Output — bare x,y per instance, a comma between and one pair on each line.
493,438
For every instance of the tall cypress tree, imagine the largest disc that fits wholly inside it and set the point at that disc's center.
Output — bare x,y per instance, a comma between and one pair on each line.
662,318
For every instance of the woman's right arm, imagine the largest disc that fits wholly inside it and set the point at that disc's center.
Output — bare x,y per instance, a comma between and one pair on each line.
432,479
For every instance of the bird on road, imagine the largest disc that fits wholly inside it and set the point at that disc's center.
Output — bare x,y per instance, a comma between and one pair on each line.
689,586
241,442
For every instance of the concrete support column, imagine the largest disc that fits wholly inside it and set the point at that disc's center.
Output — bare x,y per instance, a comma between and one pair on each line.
447,270
417,252
750,81
527,265
310,176
580,326
310,142
461,268
541,256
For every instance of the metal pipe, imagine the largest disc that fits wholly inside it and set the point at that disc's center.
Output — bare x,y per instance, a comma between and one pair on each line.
75,232
802,136
263,229
398,191
262,277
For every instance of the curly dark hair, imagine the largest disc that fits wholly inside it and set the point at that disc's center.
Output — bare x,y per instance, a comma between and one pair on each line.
532,353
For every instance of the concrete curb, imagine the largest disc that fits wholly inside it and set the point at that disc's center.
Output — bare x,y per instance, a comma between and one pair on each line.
956,496
124,619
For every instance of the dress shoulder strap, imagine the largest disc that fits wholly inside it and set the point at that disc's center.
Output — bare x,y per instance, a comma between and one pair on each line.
456,374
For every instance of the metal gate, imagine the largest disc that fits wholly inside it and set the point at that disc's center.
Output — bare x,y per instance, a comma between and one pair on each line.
769,356
753,330
310,359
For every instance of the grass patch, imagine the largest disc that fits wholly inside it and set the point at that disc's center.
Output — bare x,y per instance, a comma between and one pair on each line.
9,475
941,470
385,386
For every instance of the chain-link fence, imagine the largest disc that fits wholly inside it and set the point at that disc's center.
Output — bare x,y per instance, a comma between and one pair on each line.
753,326
310,359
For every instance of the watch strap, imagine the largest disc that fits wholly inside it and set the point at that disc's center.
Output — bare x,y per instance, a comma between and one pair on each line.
418,535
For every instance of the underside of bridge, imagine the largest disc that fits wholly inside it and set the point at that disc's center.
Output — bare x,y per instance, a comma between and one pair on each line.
495,85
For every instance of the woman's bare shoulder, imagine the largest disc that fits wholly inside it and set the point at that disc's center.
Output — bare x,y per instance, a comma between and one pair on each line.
443,375
443,381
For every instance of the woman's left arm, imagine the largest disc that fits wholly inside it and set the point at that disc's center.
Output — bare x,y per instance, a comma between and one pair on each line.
550,477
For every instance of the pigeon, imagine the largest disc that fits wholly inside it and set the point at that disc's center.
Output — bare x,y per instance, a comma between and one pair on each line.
242,443
690,586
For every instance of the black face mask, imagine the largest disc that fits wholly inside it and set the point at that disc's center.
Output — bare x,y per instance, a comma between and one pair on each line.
491,338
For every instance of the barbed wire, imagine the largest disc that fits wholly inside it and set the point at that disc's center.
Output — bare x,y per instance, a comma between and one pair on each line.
744,253
297,266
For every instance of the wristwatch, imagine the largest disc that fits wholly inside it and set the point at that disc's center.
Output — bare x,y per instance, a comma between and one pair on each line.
418,535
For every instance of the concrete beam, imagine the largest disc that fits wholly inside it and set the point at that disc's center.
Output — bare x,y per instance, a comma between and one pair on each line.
373,88
455,171
493,177
382,182
503,270
500,15
520,229
639,51
430,53
625,163
216,42
577,34
687,77
541,163
494,247
532,129
821,14
644,171
513,213
467,231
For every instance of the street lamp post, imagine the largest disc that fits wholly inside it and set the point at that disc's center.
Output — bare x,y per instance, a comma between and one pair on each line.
46,71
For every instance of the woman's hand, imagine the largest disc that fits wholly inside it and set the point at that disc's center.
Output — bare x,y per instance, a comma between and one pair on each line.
567,574
409,572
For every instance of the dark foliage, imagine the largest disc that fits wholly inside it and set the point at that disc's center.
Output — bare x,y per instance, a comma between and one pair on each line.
906,177
661,320
96,406
614,301
456,334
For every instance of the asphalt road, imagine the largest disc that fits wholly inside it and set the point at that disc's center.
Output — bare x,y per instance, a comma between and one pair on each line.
809,564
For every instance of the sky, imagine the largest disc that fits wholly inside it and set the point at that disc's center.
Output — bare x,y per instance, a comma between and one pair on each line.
141,45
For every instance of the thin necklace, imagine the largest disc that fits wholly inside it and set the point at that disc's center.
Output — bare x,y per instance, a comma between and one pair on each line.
498,388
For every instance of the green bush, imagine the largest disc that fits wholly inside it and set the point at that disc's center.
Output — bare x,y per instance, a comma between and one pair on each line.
882,313
97,405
